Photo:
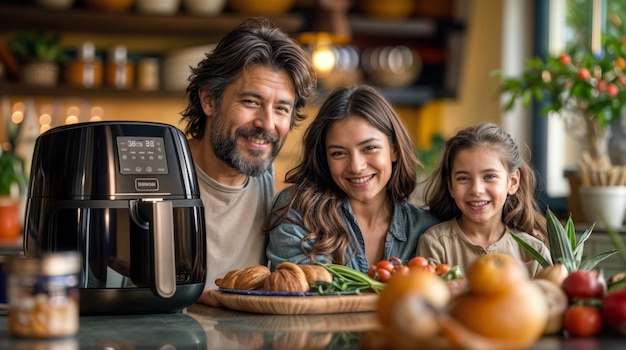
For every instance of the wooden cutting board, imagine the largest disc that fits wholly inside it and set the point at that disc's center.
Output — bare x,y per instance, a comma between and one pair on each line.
297,305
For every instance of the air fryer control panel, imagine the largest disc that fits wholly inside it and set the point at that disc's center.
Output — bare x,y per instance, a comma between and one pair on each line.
141,155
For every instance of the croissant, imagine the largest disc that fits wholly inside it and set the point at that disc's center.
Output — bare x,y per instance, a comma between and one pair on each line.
249,278
288,277
252,277
228,281
316,273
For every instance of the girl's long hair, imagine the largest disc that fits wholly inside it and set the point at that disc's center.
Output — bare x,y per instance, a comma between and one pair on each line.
520,211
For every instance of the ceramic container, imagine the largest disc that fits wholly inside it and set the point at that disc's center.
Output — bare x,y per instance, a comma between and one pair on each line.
256,7
204,7
158,7
604,205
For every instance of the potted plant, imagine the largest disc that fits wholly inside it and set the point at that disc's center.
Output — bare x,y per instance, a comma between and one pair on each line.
40,54
13,184
588,91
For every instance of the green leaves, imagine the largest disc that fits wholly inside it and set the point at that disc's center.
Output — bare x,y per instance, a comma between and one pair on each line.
594,83
37,45
565,248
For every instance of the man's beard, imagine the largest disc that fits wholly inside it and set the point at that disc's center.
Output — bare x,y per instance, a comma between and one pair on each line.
226,149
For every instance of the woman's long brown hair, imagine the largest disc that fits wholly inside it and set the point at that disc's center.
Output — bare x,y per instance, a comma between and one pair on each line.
316,196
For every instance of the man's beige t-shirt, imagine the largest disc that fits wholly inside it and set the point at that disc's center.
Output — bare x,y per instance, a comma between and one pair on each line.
234,217
446,243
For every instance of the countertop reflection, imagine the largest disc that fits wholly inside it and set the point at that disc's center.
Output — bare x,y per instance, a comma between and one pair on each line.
201,327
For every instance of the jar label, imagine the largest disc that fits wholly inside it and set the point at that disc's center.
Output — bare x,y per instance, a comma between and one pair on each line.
43,306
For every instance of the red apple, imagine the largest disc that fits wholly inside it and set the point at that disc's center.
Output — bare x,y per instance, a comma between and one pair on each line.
584,285
614,310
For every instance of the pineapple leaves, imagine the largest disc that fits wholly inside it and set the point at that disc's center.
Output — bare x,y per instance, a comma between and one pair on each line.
532,251
560,241
564,247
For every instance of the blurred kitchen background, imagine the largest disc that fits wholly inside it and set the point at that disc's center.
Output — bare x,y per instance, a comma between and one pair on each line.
433,59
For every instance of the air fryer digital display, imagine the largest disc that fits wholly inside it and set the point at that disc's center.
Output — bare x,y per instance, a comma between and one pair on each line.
141,155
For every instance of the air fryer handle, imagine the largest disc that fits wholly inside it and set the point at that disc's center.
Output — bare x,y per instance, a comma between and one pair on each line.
161,232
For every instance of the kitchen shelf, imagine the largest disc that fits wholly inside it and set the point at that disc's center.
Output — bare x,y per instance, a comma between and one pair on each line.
20,89
431,38
438,43
87,20
416,27
90,21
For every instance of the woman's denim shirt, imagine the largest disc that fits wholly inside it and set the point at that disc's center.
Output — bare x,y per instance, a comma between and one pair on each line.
407,223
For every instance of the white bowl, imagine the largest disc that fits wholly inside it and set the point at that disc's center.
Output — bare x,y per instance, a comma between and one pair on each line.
158,7
204,7
176,65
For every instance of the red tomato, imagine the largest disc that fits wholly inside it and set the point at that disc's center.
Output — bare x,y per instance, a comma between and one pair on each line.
396,261
418,261
385,265
582,320
584,285
442,269
402,270
383,275
428,268
614,310
372,271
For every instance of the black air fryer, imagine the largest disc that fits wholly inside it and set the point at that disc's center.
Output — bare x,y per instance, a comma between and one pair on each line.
124,195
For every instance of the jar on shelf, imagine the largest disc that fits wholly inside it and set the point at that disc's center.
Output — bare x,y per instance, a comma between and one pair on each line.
86,69
148,73
119,70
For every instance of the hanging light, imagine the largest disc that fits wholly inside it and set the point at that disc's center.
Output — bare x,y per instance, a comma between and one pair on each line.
323,55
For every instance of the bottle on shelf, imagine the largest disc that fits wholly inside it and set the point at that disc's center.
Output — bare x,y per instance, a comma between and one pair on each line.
119,71
86,69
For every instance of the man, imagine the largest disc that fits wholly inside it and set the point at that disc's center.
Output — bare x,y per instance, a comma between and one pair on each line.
244,97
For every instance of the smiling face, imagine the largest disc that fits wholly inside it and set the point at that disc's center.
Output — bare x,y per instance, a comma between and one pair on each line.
251,123
360,158
480,184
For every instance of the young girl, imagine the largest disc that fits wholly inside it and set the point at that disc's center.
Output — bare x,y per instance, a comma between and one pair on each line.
348,202
484,190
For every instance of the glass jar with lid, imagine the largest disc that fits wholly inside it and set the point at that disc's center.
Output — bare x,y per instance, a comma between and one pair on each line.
86,69
42,295
119,70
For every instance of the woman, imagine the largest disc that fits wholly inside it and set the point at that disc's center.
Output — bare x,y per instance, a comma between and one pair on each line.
348,200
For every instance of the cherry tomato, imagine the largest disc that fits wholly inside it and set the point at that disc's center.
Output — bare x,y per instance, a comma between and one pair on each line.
442,269
582,320
396,262
428,268
383,275
402,270
385,265
418,261
584,285
372,271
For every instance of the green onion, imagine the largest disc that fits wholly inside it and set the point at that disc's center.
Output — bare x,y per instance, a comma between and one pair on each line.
346,281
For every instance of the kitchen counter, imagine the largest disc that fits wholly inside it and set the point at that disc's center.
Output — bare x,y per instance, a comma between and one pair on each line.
201,327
